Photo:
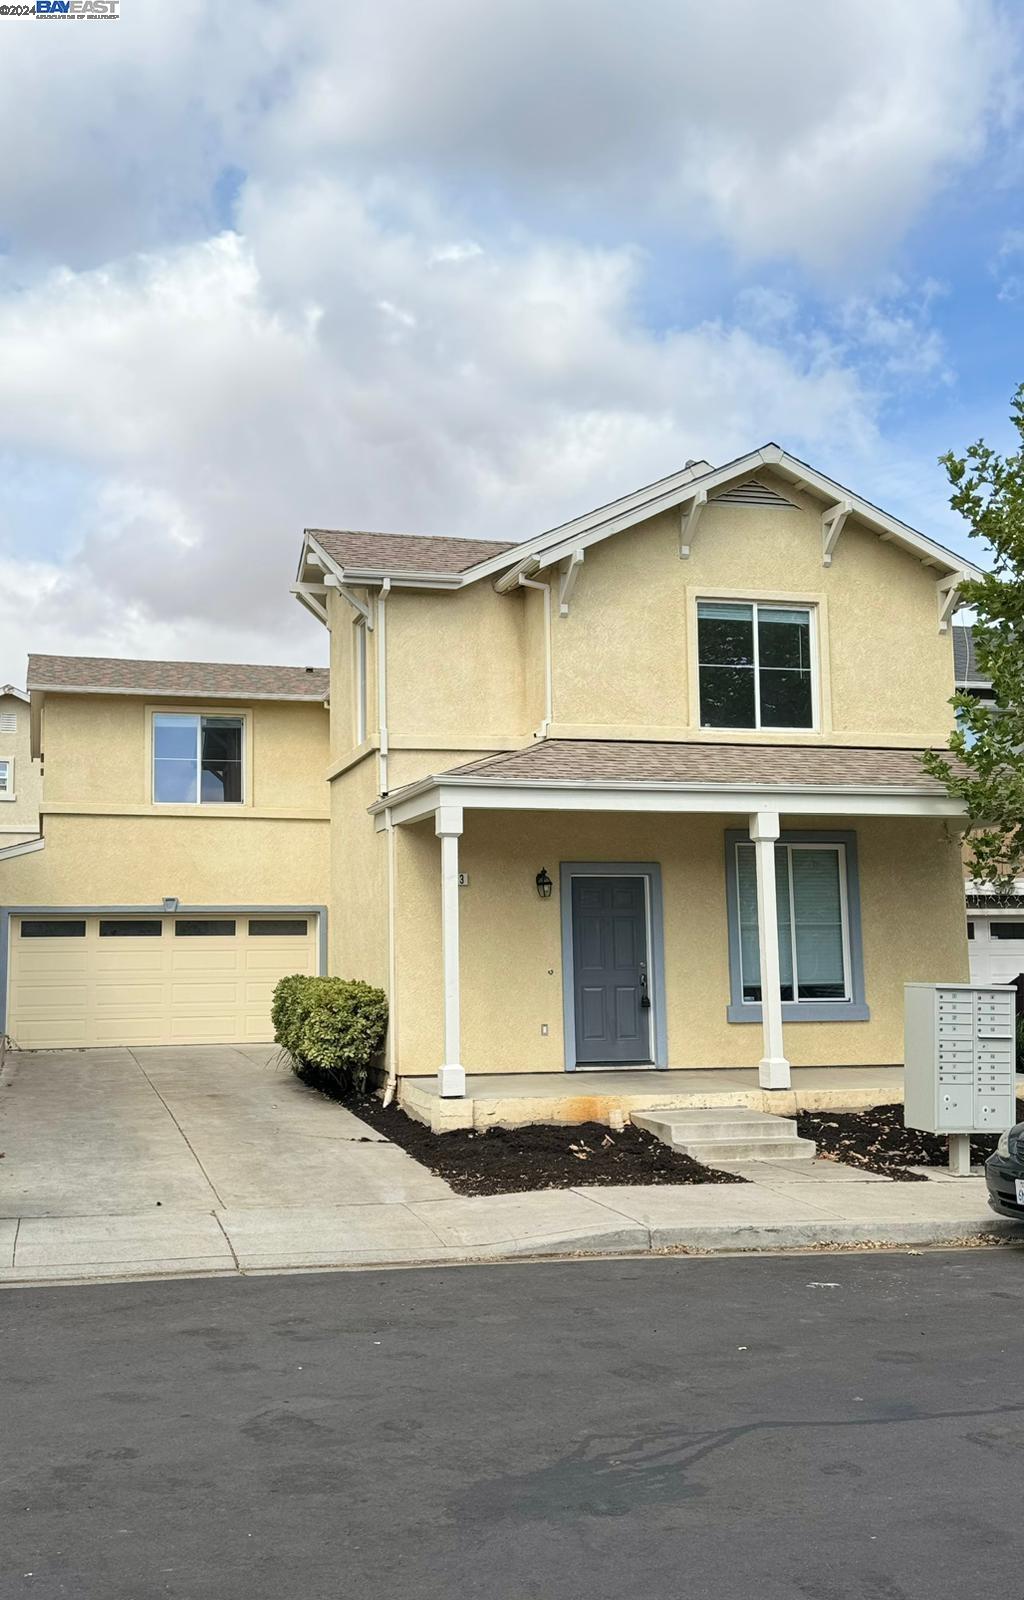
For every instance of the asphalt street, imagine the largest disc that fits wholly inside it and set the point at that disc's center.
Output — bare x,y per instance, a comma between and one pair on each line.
820,1427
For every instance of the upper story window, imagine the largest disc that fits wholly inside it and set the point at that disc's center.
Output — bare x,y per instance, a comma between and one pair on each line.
755,665
6,778
197,760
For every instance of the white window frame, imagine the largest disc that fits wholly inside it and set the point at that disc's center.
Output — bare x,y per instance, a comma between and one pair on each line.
844,911
756,605
7,787
198,803
359,675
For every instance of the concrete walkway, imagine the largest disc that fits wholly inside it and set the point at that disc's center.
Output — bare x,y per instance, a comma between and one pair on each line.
121,1163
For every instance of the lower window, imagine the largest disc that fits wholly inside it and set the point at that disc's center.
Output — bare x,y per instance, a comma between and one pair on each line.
209,929
820,965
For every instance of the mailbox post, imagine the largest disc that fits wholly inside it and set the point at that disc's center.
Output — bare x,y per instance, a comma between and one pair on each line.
959,1062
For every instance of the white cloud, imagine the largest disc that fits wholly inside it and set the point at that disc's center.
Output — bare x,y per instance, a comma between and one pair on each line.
431,316
225,394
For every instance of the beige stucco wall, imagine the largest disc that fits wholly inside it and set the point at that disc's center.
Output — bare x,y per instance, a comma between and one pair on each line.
137,860
98,754
911,908
106,844
624,659
19,815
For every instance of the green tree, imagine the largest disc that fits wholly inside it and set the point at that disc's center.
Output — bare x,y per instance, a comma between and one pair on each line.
987,771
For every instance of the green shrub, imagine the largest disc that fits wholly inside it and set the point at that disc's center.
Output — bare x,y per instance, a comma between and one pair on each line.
331,1027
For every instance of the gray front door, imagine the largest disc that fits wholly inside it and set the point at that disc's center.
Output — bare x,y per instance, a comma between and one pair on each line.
611,970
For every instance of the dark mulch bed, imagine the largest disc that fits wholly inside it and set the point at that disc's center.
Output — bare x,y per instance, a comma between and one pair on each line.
877,1141
541,1156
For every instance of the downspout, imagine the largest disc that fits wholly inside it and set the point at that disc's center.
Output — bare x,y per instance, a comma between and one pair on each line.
545,589
382,688
391,1081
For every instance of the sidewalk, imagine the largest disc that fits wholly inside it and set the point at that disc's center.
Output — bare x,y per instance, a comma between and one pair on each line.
823,1205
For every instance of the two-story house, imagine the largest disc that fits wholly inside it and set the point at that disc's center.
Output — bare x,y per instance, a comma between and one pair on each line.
645,790
640,791
19,774
181,868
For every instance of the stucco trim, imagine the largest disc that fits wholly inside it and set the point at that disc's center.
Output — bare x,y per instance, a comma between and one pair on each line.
650,871
230,812
855,1009
7,912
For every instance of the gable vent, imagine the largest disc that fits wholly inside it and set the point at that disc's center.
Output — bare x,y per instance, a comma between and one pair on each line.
8,722
753,493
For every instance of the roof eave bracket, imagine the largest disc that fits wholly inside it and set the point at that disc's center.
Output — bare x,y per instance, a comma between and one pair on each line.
688,522
570,570
833,521
947,592
361,607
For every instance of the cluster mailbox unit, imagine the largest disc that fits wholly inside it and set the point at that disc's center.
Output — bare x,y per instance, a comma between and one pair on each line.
959,1061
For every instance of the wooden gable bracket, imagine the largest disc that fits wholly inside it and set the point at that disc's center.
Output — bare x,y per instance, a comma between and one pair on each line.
947,592
570,570
313,597
689,520
353,599
833,521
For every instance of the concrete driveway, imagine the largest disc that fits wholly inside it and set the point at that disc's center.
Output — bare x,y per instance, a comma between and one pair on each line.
156,1150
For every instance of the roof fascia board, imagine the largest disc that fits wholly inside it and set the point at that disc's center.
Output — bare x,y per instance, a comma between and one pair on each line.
897,532
425,797
19,694
176,694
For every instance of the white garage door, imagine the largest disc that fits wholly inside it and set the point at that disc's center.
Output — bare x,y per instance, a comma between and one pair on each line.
996,945
151,980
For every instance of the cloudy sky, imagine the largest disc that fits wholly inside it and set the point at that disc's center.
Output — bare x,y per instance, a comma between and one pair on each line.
471,269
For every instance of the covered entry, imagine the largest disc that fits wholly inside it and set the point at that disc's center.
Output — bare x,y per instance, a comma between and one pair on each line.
136,976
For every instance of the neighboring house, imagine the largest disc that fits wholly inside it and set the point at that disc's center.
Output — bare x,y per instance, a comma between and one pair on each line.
182,865
995,923
19,774
595,793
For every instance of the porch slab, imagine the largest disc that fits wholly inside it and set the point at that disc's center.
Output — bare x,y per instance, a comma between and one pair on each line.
512,1100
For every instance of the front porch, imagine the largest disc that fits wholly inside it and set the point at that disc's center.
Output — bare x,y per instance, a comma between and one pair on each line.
512,1100
629,907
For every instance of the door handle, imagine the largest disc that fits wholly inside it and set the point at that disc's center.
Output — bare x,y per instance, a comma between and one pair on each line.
645,999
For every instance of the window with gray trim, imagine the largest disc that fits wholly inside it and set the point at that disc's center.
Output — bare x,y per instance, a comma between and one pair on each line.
818,909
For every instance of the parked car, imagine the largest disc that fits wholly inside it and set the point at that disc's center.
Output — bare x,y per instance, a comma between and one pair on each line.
1004,1174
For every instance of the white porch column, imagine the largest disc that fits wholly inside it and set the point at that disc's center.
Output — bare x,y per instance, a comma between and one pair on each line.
773,1068
451,1077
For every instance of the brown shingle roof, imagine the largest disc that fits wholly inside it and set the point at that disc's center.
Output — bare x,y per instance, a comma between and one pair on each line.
206,679
625,761
405,552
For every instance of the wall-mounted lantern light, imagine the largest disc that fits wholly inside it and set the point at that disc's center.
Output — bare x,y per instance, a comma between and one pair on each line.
171,902
544,884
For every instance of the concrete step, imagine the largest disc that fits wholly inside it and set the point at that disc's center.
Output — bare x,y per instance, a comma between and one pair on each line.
732,1135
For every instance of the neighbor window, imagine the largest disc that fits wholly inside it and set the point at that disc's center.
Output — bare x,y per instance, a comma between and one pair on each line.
197,760
1006,930
754,665
820,965
6,779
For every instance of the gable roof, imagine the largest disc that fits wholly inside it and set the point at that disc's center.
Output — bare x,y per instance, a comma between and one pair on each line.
405,552
175,679
7,689
368,558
